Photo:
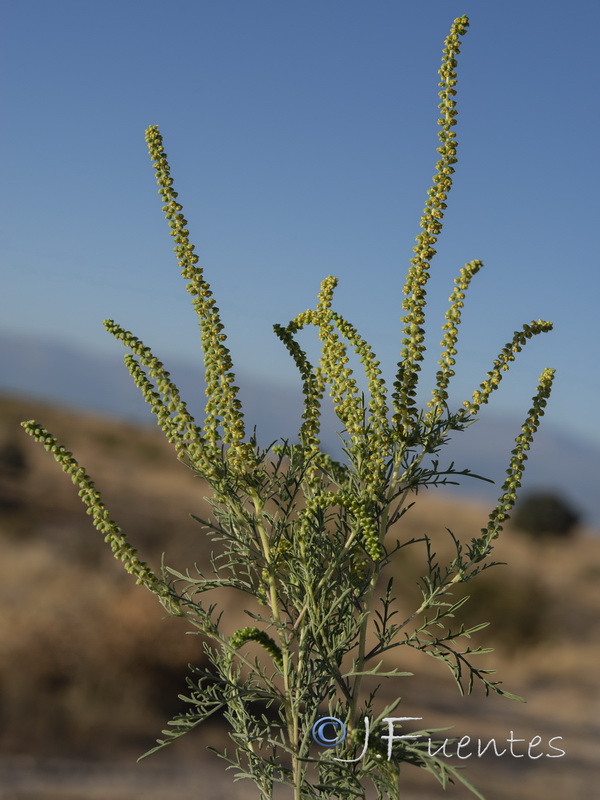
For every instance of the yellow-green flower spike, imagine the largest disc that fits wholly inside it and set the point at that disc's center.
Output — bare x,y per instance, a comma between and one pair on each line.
431,226
180,429
450,328
101,519
223,407
377,390
518,457
244,635
343,388
313,389
501,364
333,370
367,533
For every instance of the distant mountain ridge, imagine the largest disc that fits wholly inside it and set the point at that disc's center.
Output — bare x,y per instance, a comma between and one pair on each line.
61,373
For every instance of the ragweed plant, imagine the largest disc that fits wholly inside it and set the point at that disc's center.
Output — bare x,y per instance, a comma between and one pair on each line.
305,538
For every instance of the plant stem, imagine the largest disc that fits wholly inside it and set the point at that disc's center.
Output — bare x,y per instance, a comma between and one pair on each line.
291,714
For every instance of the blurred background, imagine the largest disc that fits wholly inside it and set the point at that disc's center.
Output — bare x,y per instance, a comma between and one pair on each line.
302,142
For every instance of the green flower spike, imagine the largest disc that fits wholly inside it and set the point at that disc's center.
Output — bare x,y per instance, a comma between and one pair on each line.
113,535
180,429
518,457
313,388
244,635
344,390
501,364
431,226
450,328
333,370
223,407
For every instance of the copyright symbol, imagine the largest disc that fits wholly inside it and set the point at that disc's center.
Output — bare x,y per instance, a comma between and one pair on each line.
319,731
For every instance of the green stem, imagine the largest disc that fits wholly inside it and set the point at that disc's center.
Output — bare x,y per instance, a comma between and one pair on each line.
291,714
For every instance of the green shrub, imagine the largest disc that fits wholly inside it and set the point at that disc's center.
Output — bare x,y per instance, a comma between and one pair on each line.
305,541
13,462
545,514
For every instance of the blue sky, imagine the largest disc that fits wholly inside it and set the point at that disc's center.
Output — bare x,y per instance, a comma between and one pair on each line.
302,142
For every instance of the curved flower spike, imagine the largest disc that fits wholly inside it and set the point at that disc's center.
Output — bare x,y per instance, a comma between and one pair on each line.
518,457
181,429
89,495
249,634
501,364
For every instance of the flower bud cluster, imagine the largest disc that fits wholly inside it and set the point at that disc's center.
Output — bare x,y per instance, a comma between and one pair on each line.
343,389
431,226
250,634
369,437
223,407
518,457
377,421
501,364
356,506
102,521
450,328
